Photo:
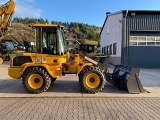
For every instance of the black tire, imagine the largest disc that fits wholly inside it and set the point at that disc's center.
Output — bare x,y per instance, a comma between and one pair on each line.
92,80
36,80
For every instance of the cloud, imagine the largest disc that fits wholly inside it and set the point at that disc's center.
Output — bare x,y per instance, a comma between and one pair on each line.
25,9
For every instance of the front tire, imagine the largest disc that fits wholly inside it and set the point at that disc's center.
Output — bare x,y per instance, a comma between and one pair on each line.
36,80
92,80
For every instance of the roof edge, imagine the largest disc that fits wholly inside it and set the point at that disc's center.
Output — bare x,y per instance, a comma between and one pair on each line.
107,17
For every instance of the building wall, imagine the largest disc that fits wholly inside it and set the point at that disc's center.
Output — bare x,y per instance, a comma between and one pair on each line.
144,26
137,36
111,35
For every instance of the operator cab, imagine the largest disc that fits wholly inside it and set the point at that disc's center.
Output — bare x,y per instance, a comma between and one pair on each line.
50,39
87,48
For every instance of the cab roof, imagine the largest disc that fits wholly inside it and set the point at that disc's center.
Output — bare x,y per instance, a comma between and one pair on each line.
46,25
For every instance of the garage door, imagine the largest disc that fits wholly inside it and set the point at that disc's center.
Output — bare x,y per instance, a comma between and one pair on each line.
144,50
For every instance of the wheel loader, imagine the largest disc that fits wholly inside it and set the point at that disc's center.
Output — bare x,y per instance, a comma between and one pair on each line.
4,53
51,60
92,51
89,49
7,51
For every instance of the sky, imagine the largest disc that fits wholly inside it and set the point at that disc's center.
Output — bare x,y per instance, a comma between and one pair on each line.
92,12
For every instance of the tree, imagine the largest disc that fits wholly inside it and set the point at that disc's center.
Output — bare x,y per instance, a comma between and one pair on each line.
46,21
76,30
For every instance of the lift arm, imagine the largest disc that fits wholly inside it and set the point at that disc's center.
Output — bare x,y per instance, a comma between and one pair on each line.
6,12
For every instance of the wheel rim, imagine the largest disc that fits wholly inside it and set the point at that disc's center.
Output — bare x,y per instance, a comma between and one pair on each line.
35,81
1,60
92,80
97,59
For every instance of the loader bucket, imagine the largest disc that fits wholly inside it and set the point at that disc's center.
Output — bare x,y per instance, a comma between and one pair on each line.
126,78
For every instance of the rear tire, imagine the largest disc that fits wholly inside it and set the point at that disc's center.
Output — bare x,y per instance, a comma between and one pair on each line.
36,80
92,80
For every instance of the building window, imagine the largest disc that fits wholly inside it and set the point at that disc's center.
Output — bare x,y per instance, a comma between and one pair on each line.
102,50
144,41
110,49
114,48
133,41
107,50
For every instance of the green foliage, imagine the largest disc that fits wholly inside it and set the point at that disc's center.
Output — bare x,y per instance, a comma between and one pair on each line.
76,30
29,20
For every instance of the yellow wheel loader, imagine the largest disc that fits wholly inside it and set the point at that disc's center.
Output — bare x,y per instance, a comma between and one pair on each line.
51,60
4,53
7,50
92,51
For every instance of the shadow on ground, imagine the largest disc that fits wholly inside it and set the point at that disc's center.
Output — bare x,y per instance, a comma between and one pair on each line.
59,86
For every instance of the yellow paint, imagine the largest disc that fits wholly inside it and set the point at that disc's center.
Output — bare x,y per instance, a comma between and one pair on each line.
92,80
77,64
35,81
15,72
46,25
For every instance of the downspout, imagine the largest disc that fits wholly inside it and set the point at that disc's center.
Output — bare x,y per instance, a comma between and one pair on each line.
127,42
124,49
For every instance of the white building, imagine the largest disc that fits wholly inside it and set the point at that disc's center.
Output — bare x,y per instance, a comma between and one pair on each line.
132,37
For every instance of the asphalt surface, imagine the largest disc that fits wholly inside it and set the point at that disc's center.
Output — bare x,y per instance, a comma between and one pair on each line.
68,86
64,100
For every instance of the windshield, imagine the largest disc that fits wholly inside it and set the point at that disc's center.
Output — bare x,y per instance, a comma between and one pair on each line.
62,42
51,41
